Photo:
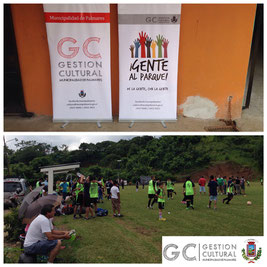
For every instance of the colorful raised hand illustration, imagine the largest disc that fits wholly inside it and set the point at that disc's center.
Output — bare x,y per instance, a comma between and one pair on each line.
148,44
165,46
153,46
137,45
142,41
132,50
159,42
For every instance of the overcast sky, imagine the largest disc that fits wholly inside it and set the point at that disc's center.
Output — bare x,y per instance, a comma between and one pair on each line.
72,141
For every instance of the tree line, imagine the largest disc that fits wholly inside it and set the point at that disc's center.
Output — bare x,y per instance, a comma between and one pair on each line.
165,156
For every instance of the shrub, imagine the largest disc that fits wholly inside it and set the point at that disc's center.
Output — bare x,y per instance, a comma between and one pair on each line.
13,225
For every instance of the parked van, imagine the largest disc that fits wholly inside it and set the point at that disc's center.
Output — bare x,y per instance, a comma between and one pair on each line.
14,186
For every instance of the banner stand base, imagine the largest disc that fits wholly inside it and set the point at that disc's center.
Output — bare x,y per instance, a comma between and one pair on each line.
131,125
65,124
162,123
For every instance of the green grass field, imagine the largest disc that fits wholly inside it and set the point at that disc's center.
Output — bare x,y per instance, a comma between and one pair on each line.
137,237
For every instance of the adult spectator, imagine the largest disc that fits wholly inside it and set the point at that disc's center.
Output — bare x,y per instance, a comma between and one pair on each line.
86,198
212,192
202,183
115,200
41,238
65,188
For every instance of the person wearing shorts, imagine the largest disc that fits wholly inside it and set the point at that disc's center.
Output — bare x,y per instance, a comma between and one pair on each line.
189,191
41,238
93,191
86,199
202,183
115,200
78,197
212,192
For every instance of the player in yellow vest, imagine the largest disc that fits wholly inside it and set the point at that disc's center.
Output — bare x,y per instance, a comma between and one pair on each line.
78,197
189,191
93,192
161,200
170,189
151,192
229,192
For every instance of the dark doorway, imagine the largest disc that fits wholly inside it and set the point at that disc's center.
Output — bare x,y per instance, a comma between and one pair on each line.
13,92
256,54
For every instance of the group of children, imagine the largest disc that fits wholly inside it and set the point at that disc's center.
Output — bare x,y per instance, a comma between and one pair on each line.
223,183
87,192
228,186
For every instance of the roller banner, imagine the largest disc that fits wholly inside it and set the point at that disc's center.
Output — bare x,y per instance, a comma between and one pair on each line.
79,46
148,60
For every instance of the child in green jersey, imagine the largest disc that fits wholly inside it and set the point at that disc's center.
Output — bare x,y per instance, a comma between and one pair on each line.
161,200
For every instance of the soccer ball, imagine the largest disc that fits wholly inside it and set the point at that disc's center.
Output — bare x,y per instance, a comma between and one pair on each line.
169,212
249,203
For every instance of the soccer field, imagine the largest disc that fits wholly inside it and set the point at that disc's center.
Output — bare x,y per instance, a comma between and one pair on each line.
136,238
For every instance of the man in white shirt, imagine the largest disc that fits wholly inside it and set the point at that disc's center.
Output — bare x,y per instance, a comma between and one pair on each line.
115,199
41,238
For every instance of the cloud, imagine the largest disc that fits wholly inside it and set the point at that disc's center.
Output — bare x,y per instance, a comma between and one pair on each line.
72,141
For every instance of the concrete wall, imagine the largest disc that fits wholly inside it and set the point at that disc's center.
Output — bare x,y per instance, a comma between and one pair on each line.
214,52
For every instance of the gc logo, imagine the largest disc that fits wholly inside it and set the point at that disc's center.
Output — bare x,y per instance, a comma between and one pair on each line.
151,19
175,254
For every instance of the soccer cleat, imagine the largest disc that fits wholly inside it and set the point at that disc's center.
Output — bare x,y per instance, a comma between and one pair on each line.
162,219
115,215
208,207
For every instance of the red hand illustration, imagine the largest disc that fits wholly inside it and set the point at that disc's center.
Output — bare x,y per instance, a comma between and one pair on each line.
142,42
165,46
